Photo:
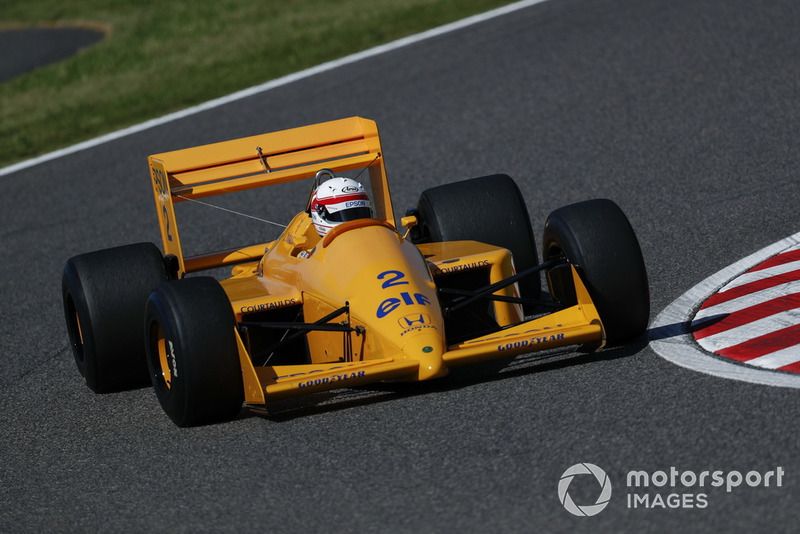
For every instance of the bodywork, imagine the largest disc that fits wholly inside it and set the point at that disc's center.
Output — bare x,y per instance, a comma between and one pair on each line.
364,303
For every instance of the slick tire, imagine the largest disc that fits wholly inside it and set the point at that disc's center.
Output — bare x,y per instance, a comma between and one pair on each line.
104,295
192,353
596,237
489,209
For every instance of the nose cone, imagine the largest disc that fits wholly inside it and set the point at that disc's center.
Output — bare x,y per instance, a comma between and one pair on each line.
427,348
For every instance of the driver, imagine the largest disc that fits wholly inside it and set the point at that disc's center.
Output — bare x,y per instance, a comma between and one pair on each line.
338,200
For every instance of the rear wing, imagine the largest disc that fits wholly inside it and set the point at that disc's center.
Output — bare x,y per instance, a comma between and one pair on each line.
260,161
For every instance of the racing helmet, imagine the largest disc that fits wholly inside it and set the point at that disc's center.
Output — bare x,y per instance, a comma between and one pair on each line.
338,200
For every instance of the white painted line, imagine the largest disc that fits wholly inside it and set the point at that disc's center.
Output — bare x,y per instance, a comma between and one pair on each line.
777,359
747,301
762,275
740,334
279,82
671,338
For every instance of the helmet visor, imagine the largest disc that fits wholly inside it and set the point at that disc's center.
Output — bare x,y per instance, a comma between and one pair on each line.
350,214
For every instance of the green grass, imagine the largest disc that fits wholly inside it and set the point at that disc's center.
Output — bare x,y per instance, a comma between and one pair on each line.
160,57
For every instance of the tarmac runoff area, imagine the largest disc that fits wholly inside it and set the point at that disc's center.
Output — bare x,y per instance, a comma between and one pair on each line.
26,49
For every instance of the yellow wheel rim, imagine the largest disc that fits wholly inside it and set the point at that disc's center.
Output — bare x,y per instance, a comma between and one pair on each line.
165,354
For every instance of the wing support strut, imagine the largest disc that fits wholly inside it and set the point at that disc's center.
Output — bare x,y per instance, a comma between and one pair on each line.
301,329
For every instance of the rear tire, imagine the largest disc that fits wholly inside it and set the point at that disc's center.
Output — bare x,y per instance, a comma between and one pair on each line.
490,210
104,295
192,353
598,239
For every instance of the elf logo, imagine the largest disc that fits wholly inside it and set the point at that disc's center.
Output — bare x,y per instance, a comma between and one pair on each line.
405,299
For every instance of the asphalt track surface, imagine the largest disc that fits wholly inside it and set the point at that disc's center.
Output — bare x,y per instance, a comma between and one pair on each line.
25,49
685,113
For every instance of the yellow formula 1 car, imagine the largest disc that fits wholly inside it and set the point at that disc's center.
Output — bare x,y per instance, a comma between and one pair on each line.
356,302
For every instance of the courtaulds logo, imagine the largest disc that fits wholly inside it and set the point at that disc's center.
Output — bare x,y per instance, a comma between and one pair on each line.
590,509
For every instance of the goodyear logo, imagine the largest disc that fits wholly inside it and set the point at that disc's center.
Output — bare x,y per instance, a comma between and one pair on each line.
529,342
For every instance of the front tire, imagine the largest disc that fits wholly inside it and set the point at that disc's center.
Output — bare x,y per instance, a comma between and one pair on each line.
192,353
596,237
104,295
489,209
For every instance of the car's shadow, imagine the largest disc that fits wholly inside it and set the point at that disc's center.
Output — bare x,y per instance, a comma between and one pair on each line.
459,378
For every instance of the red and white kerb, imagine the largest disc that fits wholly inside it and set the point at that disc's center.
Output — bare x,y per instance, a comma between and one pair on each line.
755,318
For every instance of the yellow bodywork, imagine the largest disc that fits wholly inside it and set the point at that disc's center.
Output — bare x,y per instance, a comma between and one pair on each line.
384,283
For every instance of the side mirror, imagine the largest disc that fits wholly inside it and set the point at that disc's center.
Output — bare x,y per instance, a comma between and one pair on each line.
409,221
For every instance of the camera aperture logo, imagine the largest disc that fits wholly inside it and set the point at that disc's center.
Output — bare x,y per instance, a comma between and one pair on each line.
589,509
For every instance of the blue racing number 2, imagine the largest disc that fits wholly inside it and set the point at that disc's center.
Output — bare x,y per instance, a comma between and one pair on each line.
396,278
